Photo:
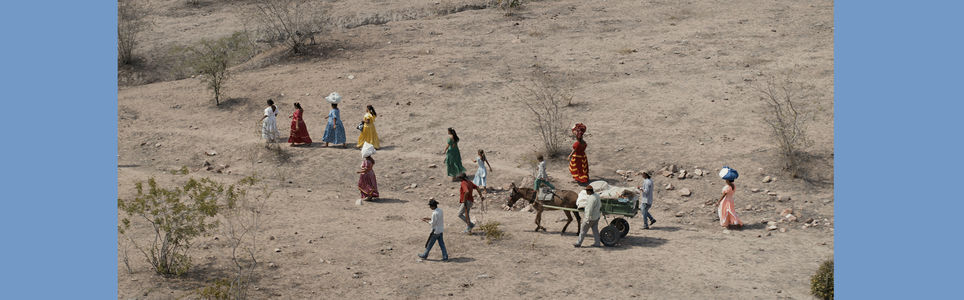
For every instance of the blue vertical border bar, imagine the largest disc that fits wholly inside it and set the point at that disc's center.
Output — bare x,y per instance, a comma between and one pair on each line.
59,212
899,124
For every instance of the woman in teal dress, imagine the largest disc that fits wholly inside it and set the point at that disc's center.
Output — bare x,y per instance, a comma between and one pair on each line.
453,159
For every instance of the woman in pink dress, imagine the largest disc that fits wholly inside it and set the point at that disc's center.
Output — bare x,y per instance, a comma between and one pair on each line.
727,209
366,182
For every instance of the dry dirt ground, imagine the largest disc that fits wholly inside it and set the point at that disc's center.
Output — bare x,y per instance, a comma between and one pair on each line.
657,83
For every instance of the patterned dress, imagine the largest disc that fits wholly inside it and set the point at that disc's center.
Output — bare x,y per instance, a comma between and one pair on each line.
579,164
334,131
480,174
299,130
366,182
453,159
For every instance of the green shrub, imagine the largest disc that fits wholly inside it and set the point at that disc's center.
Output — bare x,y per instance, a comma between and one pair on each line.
821,284
219,289
177,216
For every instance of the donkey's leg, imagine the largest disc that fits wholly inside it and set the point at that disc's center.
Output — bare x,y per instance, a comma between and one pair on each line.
568,216
539,210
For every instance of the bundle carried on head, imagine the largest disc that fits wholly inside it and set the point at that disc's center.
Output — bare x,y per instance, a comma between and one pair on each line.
367,150
578,130
728,173
333,98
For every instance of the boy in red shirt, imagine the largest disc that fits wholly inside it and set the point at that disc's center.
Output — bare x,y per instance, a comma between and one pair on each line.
466,200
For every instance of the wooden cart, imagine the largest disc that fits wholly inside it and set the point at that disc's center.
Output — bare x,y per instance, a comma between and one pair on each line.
618,228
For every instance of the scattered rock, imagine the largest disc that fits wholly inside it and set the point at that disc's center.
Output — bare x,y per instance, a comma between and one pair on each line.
786,212
771,225
271,238
749,207
666,173
158,145
680,214
685,192
277,250
272,265
482,276
431,73
211,153
783,198
682,174
772,194
414,185
810,220
669,187
309,190
351,76
698,172
358,202
791,218
767,179
755,190
432,166
783,230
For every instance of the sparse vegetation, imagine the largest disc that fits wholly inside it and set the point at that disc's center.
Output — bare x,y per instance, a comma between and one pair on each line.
131,21
218,289
177,216
241,224
293,23
545,96
213,58
821,284
492,231
786,120
509,6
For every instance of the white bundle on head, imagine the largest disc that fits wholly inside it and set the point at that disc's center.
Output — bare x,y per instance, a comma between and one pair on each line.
333,98
724,171
367,150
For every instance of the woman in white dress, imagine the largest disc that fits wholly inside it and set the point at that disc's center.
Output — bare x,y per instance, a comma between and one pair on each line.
269,126
482,172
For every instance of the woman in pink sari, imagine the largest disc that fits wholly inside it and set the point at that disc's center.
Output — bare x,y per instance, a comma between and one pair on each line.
366,182
727,209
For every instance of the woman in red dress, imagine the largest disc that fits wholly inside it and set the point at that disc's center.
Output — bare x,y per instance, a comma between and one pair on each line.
299,130
578,164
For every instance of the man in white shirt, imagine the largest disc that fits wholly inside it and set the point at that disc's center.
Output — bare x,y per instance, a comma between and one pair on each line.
593,205
646,200
438,226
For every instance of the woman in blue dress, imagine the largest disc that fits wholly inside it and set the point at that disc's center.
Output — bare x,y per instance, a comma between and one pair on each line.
334,131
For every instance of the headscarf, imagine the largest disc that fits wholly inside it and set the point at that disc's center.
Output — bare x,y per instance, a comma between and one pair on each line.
578,130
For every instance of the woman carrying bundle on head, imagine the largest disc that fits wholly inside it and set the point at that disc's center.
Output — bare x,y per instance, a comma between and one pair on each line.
299,130
334,130
269,126
453,159
368,133
482,172
578,163
727,208
366,181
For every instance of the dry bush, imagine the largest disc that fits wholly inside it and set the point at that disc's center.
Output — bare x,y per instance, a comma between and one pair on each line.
131,21
293,23
213,58
492,231
544,97
241,222
787,120
508,6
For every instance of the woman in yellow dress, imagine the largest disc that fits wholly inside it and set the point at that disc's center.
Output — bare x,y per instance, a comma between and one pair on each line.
368,133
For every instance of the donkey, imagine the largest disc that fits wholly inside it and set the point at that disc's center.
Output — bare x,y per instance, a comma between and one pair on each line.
562,198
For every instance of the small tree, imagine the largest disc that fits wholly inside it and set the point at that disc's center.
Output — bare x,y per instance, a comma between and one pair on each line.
293,23
177,216
131,21
544,97
213,58
786,120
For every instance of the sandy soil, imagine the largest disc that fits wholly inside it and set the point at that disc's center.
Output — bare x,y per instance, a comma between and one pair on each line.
658,83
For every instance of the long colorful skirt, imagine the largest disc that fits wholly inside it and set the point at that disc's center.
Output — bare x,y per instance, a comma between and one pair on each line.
579,167
300,135
367,185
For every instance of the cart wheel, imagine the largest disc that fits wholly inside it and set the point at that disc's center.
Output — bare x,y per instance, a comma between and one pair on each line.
609,236
621,225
